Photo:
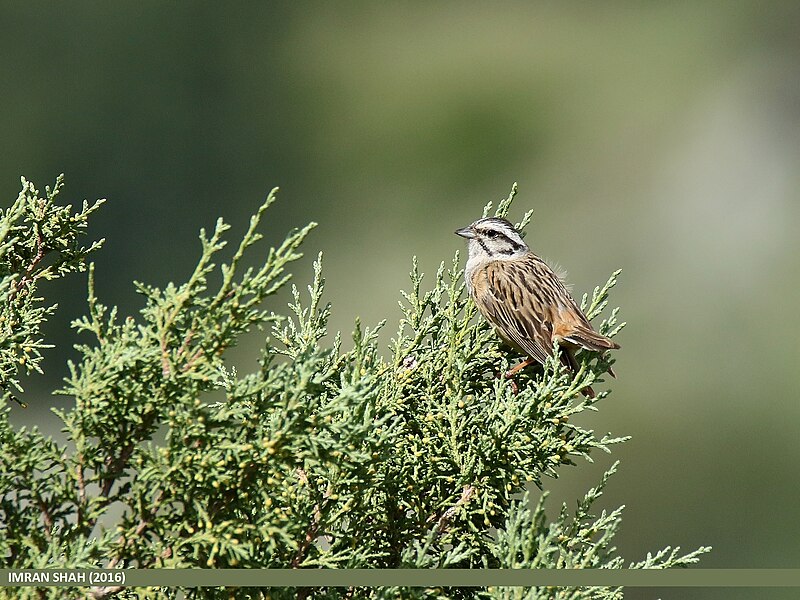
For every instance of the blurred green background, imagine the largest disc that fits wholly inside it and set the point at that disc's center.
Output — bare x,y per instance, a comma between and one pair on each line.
663,138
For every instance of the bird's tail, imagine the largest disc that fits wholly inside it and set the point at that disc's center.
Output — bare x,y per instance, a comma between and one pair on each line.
589,339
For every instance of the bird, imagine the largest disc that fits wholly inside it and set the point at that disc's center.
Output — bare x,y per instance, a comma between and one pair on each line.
524,300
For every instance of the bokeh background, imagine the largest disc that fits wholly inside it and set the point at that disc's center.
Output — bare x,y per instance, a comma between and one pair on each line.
663,138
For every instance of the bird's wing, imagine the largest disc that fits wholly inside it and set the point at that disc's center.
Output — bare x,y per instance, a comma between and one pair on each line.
518,316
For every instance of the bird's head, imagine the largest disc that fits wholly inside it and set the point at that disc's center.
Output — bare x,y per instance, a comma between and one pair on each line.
493,238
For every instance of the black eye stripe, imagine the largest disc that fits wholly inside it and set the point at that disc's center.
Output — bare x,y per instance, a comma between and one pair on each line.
493,234
498,232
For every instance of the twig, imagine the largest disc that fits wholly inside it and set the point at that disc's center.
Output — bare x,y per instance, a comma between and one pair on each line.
186,341
97,593
192,359
466,495
46,516
311,535
81,489
144,522
118,465
28,277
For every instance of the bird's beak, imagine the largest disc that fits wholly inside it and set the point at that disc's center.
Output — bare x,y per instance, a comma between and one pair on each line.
466,232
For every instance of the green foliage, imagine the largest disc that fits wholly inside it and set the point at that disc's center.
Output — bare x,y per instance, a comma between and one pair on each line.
322,457
578,541
38,241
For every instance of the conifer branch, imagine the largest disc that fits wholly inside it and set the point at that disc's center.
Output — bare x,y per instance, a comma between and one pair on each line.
322,457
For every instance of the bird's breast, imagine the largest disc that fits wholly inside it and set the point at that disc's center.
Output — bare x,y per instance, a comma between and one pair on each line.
476,280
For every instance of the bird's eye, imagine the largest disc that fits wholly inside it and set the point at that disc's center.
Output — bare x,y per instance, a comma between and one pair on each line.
491,233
